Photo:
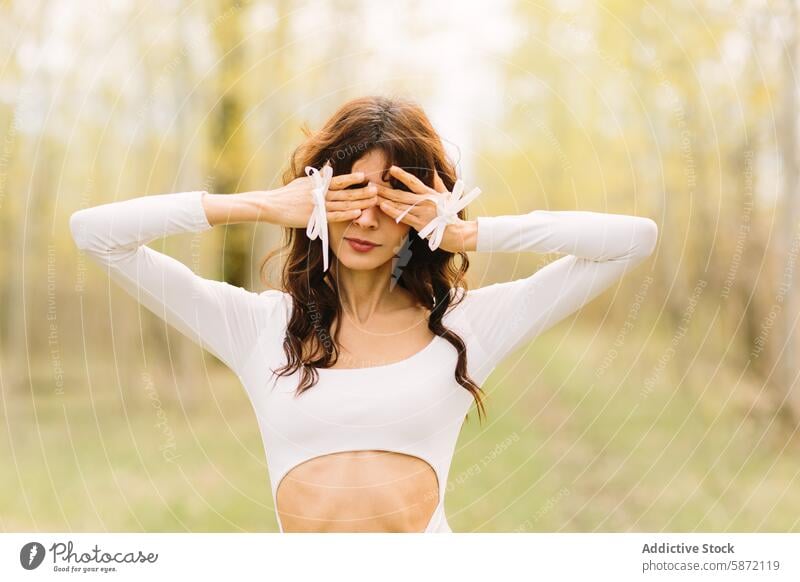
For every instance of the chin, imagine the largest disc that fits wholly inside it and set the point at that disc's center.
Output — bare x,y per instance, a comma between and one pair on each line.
359,262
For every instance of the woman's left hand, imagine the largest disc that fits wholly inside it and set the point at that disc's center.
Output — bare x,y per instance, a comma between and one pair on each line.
395,202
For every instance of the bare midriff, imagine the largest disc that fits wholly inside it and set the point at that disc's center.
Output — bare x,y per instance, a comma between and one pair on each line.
358,491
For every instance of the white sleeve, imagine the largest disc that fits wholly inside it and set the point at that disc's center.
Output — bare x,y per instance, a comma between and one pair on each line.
223,318
601,248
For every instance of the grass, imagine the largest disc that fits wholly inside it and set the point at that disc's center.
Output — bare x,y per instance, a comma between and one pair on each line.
595,454
565,449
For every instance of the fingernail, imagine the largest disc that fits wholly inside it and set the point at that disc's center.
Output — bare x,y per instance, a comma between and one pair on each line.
372,189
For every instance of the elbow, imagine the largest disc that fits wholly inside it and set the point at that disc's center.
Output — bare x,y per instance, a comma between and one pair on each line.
85,226
646,237
78,228
92,230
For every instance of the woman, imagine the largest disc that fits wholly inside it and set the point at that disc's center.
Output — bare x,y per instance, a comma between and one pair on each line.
362,368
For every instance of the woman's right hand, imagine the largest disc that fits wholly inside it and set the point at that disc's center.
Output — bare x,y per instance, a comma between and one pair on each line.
291,205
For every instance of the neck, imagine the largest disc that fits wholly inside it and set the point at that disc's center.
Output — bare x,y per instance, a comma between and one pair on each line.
364,293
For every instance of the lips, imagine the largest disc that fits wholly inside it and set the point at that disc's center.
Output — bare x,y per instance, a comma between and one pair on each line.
360,245
361,241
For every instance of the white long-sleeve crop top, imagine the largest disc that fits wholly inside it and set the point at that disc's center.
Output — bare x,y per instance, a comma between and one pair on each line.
414,406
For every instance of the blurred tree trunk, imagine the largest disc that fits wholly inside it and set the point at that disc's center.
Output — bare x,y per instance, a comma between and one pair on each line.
10,320
280,135
227,159
789,358
17,210
187,161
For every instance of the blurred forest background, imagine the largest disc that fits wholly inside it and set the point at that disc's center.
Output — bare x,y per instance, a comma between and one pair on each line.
670,403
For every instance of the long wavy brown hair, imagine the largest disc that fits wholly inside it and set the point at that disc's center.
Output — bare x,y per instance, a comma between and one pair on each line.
402,131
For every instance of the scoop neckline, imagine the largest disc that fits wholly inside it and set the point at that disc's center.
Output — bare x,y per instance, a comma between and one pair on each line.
390,365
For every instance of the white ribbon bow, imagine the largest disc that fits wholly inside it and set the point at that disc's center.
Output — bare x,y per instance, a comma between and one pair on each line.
318,221
447,209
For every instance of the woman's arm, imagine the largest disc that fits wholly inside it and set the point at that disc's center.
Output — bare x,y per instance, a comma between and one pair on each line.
601,248
223,318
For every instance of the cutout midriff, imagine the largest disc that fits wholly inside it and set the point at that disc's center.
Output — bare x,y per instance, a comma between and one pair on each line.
358,491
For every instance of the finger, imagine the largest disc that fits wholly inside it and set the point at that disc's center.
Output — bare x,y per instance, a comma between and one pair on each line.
397,195
418,211
394,210
409,180
438,184
346,205
390,209
345,180
352,193
415,211
342,216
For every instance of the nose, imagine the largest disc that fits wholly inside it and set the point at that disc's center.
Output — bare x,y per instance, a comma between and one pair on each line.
368,217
